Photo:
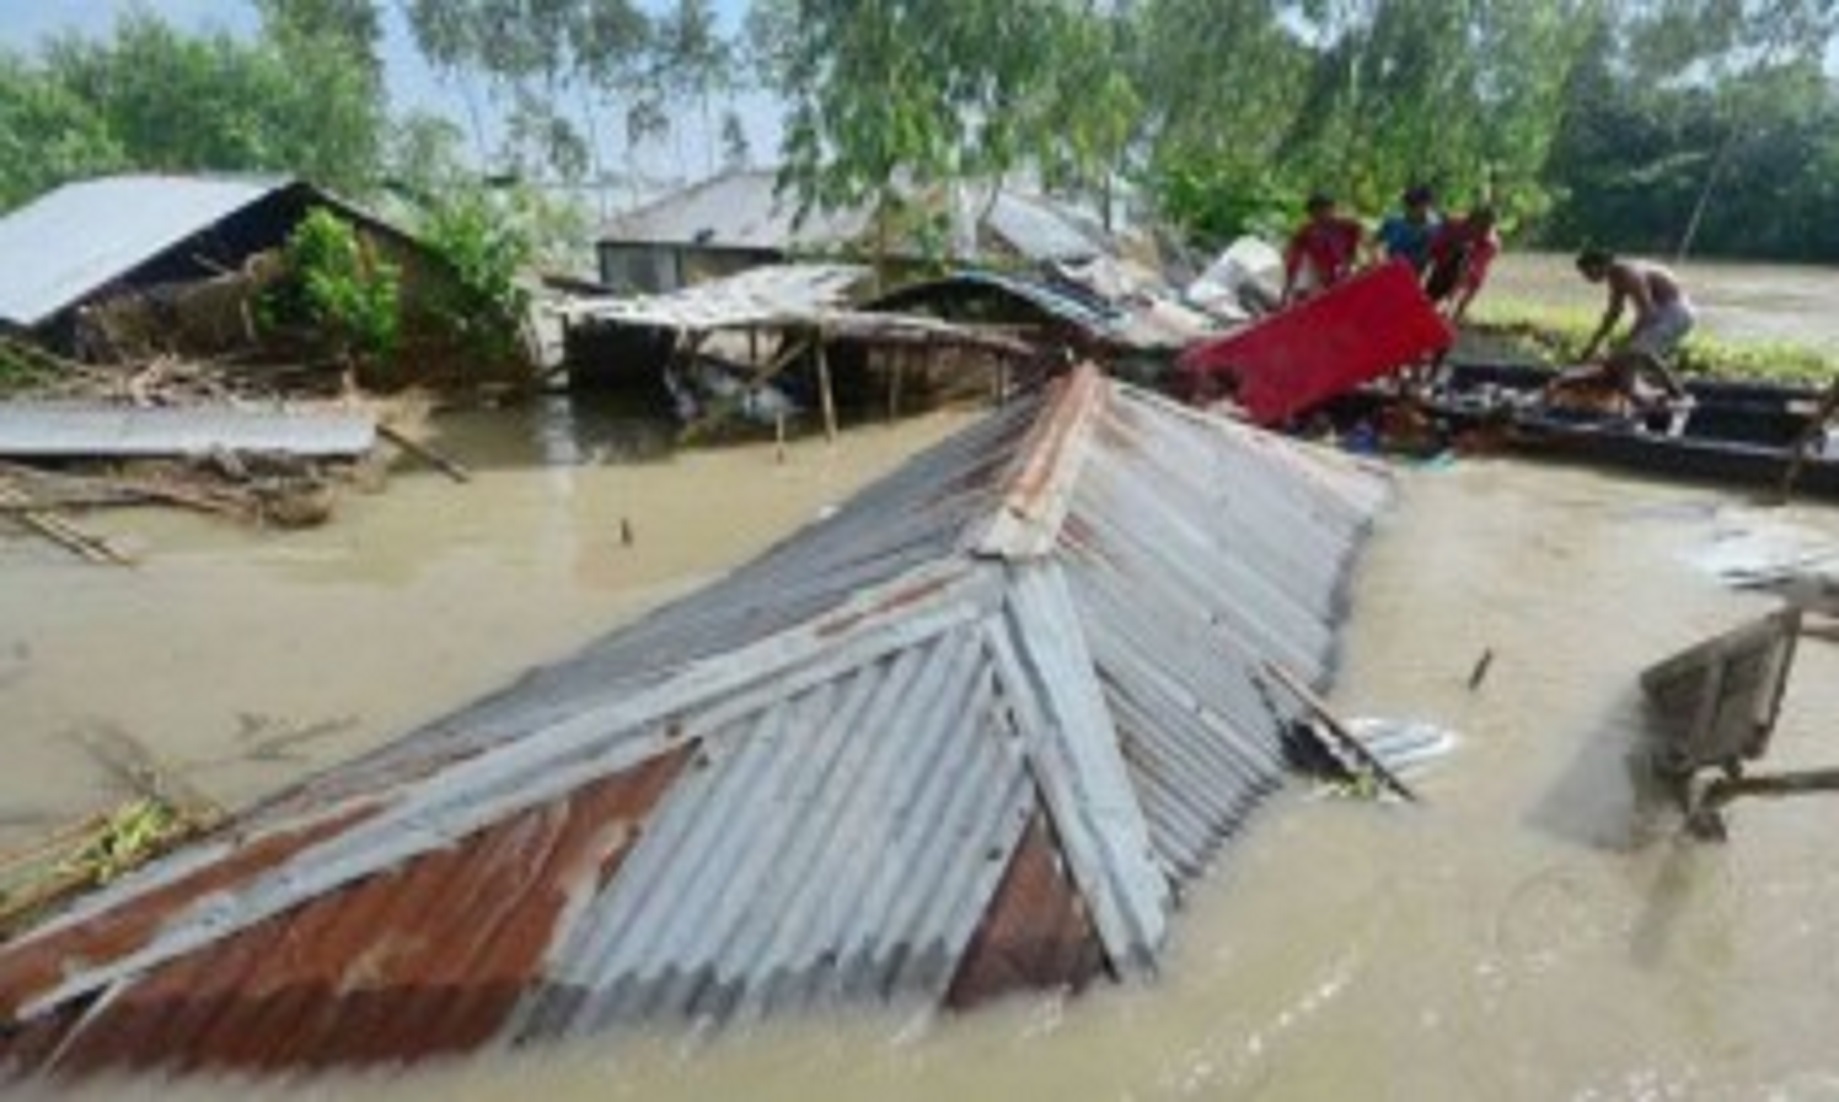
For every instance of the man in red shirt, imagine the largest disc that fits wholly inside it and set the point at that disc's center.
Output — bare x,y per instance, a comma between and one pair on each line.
1322,252
1460,255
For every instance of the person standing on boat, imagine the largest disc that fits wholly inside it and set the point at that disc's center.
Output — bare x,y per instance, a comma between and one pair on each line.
1407,235
1663,317
1461,253
1322,252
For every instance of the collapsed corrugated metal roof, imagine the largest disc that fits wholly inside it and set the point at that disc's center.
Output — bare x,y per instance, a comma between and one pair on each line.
82,238
779,296
761,296
59,430
968,735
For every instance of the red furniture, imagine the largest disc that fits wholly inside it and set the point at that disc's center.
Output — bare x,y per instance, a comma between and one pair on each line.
1372,325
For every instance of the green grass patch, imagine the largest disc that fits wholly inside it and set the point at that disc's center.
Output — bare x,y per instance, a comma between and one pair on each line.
19,373
1557,335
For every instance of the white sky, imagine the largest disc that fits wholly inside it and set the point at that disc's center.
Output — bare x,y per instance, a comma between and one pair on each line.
412,84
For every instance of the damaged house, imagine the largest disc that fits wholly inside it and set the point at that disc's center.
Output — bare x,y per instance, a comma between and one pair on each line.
733,222
126,268
970,735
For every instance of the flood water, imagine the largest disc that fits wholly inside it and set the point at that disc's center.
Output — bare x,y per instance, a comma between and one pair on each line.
1737,301
246,658
1536,930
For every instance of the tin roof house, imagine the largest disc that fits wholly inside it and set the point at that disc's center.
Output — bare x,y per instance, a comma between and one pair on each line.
87,241
967,736
738,220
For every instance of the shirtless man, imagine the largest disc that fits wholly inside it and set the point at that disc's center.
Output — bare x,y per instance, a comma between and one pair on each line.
1663,317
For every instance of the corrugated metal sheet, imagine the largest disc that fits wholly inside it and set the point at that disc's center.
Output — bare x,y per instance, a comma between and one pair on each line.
739,210
774,294
970,733
82,236
1039,229
801,296
60,431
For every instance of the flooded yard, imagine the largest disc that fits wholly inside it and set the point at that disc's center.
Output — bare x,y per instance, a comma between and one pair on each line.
1536,930
248,658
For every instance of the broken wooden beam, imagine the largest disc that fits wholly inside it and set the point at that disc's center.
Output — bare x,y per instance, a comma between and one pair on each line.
85,545
447,465
1343,737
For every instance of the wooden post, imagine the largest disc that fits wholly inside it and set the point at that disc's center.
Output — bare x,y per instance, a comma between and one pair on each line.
1829,406
825,394
896,369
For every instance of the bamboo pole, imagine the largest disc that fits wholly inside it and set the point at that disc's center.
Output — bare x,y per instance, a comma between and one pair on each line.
447,465
60,531
1829,406
826,395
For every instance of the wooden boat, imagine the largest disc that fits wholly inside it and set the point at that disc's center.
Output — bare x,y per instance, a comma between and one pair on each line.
1743,433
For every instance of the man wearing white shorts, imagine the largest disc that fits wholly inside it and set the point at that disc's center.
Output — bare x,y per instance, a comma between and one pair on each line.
1663,318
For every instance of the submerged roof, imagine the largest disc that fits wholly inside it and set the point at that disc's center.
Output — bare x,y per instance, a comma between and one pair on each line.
966,736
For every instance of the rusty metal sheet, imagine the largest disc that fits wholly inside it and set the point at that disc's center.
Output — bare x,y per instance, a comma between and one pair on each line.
425,959
880,765
1036,935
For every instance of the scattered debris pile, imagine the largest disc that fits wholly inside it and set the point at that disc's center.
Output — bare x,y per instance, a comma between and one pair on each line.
143,359
1718,703
970,735
773,342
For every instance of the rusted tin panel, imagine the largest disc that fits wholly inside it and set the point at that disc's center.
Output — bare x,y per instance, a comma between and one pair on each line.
34,964
1037,934
411,963
27,1048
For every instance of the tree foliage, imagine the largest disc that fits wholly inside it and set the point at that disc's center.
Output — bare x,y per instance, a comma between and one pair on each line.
337,289
152,97
1702,126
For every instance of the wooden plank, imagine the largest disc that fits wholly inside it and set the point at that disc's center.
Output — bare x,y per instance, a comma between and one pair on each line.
1338,730
447,465
1721,698
825,394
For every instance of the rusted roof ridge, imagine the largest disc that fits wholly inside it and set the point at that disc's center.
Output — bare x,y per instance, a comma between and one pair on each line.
519,775
1039,486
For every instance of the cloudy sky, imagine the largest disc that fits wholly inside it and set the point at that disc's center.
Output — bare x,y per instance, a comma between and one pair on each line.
413,85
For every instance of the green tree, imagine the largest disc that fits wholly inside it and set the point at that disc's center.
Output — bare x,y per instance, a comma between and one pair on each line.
1701,127
890,97
544,70
177,102
47,134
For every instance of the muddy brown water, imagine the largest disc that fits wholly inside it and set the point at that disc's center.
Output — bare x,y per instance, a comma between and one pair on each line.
1736,301
1537,930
